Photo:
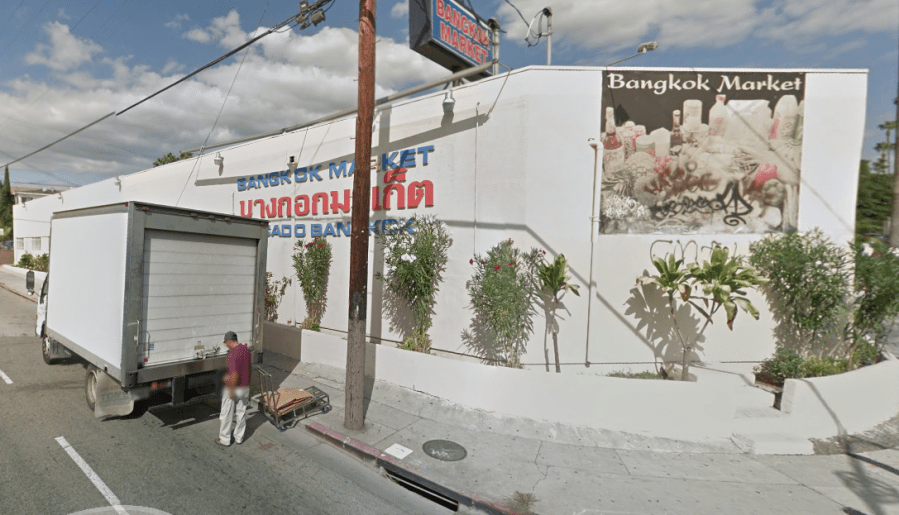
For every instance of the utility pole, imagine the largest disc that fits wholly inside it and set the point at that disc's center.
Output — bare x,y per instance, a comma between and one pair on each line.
355,352
894,220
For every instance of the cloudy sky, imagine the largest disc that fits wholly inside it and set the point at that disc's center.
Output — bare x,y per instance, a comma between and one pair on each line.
66,63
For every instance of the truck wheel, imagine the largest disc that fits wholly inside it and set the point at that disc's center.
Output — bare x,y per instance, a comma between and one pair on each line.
90,387
45,350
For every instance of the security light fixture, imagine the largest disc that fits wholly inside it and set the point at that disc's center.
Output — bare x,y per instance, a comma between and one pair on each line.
292,164
219,160
647,47
448,102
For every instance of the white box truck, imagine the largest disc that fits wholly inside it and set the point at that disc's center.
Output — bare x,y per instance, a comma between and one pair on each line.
144,294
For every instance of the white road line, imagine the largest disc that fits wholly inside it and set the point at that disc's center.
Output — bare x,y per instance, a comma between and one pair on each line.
95,479
5,378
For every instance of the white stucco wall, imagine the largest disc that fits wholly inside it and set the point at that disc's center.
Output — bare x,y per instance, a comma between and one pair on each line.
513,161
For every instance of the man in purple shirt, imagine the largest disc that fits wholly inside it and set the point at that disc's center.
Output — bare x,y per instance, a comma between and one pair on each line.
237,392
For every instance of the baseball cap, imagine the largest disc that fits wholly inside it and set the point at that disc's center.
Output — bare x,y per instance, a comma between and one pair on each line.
230,335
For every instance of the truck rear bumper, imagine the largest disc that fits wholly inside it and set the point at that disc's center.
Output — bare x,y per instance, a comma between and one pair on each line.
184,368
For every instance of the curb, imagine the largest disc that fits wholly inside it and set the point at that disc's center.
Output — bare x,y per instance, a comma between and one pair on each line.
389,463
17,293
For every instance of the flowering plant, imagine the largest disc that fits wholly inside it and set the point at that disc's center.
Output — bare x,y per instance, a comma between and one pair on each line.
274,293
312,262
809,281
414,266
502,293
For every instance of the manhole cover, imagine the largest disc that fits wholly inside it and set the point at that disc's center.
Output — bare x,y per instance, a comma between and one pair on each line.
444,450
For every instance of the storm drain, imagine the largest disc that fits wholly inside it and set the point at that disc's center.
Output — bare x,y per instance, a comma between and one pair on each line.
444,450
424,491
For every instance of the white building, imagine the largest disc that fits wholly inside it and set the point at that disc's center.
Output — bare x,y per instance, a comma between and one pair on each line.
514,160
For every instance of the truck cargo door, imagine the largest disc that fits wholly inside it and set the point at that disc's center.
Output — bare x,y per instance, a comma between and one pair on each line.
195,288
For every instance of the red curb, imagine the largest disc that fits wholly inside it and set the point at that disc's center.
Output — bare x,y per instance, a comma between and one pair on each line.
391,464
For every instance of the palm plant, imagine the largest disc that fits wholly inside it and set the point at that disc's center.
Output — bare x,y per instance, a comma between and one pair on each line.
554,281
723,281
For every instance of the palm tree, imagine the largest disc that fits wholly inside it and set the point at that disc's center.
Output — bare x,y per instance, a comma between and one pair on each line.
554,284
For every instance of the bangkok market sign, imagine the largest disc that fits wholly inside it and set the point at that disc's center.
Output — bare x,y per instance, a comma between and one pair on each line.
395,165
447,33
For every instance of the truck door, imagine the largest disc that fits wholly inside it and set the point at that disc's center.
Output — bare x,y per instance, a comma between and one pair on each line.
42,308
196,287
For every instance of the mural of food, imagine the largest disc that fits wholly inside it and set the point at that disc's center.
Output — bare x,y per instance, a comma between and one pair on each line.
701,152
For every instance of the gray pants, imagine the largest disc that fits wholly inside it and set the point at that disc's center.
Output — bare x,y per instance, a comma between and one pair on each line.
232,408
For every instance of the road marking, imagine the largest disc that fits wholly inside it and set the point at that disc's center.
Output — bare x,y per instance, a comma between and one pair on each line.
5,378
95,479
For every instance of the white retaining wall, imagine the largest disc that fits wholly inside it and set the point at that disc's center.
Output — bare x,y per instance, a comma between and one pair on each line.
665,409
844,403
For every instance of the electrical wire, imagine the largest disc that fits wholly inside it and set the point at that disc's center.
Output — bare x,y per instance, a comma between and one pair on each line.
527,39
48,88
204,67
519,13
69,135
197,162
84,16
198,70
13,13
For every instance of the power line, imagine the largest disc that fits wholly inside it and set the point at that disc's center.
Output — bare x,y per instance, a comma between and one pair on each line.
309,15
208,65
85,16
95,122
519,14
228,94
13,13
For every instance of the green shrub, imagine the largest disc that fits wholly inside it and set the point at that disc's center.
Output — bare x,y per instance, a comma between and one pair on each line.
312,263
502,293
809,276
415,263
26,261
865,354
638,375
877,289
785,364
274,293
310,325
816,366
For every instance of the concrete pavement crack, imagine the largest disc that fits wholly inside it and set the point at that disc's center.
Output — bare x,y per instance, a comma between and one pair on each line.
623,463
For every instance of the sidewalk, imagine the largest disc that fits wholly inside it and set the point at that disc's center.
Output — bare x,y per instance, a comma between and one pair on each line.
582,471
13,279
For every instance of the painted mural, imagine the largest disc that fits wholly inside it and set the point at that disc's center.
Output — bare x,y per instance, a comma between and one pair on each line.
701,153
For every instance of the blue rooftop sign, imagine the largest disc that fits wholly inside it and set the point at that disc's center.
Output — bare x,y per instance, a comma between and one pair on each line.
449,34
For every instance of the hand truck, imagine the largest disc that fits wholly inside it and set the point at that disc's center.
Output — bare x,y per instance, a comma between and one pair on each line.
285,407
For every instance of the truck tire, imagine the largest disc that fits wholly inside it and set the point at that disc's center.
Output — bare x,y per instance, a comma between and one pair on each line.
90,387
45,349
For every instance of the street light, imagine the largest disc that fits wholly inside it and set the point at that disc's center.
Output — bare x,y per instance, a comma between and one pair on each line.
649,46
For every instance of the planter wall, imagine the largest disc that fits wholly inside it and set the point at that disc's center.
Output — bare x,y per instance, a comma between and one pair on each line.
667,409
845,403
283,339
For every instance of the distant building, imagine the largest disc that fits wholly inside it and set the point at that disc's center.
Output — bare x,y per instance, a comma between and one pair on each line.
25,193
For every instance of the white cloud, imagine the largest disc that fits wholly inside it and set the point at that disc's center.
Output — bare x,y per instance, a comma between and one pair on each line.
171,65
224,29
610,25
65,51
287,78
197,34
400,9
177,21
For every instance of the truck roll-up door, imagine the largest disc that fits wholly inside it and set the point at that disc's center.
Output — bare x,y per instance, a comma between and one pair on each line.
195,288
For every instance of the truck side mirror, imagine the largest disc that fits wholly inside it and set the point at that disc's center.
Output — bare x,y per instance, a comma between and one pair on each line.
29,282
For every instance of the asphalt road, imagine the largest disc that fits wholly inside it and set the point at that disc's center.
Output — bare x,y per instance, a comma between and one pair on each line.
163,459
